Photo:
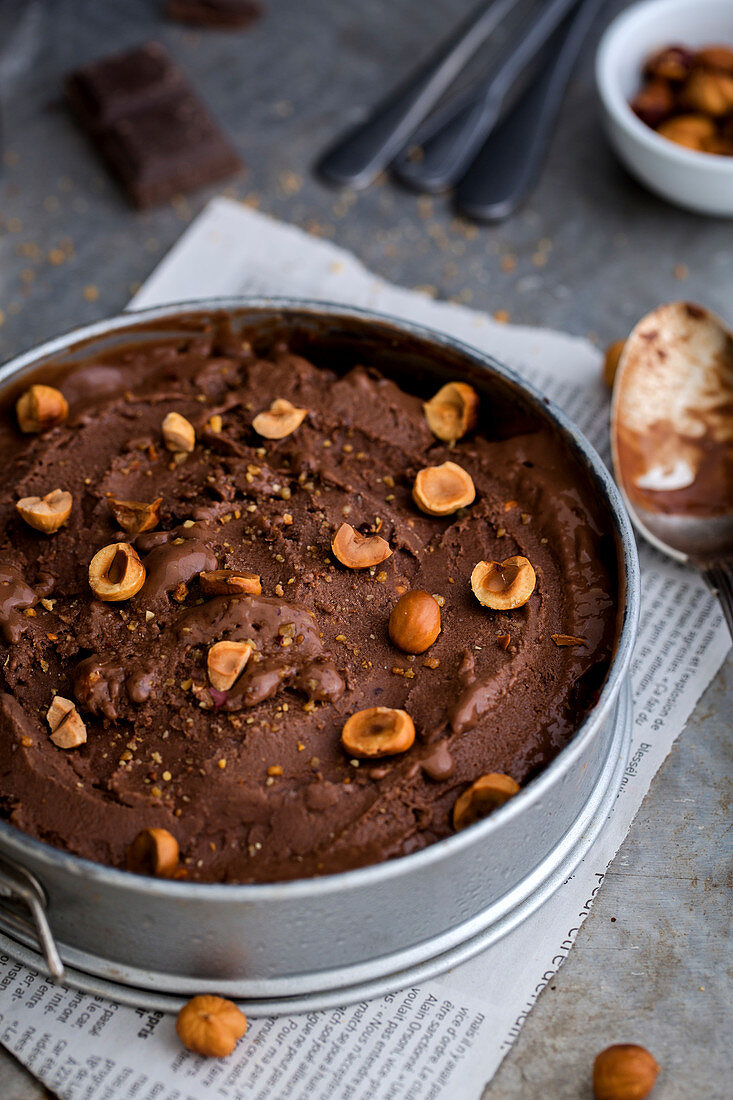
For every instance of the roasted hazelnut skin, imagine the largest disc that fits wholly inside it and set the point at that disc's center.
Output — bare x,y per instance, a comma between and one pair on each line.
624,1071
414,623
210,1025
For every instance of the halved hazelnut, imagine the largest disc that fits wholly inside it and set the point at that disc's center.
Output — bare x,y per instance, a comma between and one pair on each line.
116,572
442,490
503,585
67,728
230,582
414,623
179,434
46,513
225,663
452,412
624,1071
612,359
378,731
281,419
357,551
483,796
153,852
135,516
41,407
210,1025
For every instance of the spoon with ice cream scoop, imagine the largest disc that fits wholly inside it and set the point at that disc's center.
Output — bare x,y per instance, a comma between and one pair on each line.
672,439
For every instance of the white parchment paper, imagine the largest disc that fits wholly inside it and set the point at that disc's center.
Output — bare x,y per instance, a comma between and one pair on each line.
447,1037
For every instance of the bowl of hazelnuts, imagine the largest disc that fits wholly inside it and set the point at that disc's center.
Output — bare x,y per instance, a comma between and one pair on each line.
664,71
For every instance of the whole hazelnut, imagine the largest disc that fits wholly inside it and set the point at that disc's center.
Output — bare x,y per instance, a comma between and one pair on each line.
692,131
40,408
624,1071
709,92
654,102
672,63
210,1025
414,623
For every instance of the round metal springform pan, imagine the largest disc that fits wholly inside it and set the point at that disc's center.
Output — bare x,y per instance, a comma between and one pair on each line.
316,943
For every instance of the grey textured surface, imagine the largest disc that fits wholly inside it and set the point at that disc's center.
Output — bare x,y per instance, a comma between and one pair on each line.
590,253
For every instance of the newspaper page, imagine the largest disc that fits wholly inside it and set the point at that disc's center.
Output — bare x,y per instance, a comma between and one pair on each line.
446,1037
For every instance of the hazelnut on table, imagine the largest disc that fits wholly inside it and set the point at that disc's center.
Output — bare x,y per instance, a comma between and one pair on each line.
280,420
357,551
153,852
414,623
116,572
40,408
67,728
47,513
504,585
624,1071
378,731
452,412
442,490
484,796
210,1026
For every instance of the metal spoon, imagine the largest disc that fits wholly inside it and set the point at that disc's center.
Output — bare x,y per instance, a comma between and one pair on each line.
361,154
672,439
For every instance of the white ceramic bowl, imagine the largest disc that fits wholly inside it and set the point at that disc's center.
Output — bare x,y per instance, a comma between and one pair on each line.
699,181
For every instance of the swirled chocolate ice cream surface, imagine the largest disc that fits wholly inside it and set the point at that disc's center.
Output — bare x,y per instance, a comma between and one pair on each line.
254,782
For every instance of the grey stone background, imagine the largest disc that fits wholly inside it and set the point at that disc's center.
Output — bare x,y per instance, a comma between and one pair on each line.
590,253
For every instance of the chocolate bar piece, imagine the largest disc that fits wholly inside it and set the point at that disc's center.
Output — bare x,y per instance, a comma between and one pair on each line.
214,13
155,133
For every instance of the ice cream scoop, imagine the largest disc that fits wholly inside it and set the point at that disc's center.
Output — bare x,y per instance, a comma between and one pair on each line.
672,438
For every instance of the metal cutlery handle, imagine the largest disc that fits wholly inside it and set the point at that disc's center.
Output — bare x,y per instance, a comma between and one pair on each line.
511,159
366,150
446,156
